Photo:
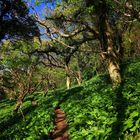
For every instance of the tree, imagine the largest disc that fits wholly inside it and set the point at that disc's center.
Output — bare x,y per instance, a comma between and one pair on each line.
103,20
21,73
15,21
58,57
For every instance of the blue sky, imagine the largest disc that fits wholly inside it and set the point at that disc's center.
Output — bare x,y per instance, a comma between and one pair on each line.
40,7
40,10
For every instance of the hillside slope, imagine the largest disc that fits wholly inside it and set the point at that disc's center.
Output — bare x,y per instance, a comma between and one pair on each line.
93,110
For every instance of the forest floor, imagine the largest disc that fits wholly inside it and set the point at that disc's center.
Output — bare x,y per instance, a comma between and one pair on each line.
60,132
91,111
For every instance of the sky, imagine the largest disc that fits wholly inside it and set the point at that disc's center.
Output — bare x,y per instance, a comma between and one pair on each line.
40,8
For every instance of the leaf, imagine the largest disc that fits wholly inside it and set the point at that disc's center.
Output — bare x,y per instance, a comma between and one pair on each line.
128,124
36,2
45,131
90,122
134,114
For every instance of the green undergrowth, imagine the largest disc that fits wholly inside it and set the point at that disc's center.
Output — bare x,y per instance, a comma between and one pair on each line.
30,123
94,110
99,112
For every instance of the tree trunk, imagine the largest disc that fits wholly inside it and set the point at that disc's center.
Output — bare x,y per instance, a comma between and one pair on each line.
113,58
68,82
114,68
67,76
25,88
110,40
19,102
78,77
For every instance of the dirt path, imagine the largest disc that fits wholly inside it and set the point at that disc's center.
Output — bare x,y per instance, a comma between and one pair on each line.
60,132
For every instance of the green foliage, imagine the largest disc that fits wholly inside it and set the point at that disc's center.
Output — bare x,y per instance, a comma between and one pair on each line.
131,92
94,110
90,110
30,122
16,23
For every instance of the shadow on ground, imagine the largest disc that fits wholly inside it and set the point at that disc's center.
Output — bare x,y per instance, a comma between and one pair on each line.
121,105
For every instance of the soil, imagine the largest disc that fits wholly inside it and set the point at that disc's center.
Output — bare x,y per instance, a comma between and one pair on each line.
60,132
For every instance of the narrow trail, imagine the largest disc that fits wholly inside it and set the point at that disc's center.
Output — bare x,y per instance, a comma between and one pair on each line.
60,132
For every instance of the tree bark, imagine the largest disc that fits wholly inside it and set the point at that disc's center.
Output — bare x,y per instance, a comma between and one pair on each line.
78,77
110,40
114,68
68,82
19,102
